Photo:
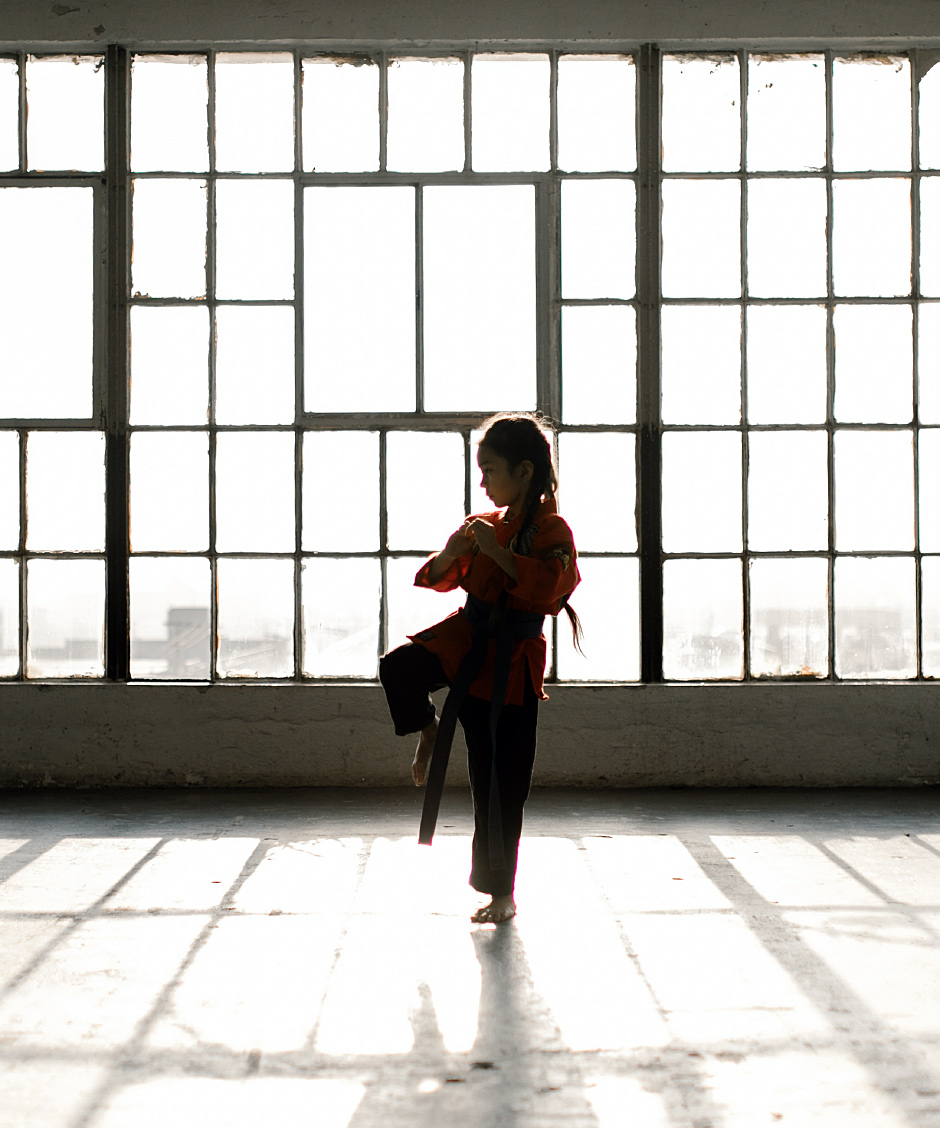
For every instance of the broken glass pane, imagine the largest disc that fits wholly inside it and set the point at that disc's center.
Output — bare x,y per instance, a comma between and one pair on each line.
169,605
425,115
788,490
254,492
701,364
786,238
341,616
701,259
65,619
928,363
340,114
701,114
9,618
254,365
874,355
702,620
510,105
598,360
256,618
874,618
65,491
789,616
425,488
786,112
929,236
169,107
9,490
47,345
871,238
786,364
603,525
871,113
874,490
341,491
598,238
9,114
411,609
608,605
359,307
169,476
928,471
169,250
65,112
169,364
254,239
254,112
483,298
596,113
930,616
701,485
929,118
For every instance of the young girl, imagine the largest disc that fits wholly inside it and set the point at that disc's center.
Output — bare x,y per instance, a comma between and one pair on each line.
517,565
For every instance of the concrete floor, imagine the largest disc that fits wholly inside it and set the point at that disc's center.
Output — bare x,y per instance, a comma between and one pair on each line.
289,958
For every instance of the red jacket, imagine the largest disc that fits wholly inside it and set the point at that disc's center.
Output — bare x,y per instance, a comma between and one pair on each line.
544,577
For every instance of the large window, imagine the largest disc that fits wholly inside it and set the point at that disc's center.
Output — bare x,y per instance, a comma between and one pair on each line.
255,306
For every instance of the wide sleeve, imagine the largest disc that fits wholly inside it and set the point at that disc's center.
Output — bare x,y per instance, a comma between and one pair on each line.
450,579
549,573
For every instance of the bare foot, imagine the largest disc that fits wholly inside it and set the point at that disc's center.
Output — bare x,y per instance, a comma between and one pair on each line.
419,766
500,909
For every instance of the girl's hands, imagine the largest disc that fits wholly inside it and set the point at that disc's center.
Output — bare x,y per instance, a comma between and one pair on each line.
459,542
484,534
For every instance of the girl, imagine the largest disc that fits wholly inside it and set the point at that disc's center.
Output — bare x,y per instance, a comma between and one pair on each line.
517,566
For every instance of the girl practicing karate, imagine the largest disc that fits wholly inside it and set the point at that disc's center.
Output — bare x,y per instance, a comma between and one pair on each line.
517,565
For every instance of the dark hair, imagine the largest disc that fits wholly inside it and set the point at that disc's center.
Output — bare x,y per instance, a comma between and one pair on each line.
517,437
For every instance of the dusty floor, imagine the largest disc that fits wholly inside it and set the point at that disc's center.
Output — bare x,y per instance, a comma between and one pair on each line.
293,958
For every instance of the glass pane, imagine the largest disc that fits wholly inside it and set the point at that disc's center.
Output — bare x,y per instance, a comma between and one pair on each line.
254,365
929,119
256,618
875,622
510,106
169,256
585,459
169,491
9,114
169,106
254,112
786,238
254,239
874,350
9,490
169,364
701,364
359,307
598,361
788,490
871,237
608,605
169,599
930,615
702,620
786,364
790,617
701,260
341,617
65,112
598,238
425,488
928,469
65,491
9,618
46,304
874,489
341,491
786,112
254,492
701,492
483,298
928,363
929,236
871,113
410,609
341,115
596,113
425,114
65,619
701,113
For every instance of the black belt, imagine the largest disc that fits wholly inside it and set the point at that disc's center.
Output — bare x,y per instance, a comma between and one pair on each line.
505,625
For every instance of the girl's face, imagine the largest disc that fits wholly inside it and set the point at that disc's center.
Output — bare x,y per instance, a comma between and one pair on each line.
504,487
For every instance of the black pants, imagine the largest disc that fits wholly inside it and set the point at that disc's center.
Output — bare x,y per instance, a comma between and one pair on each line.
409,674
